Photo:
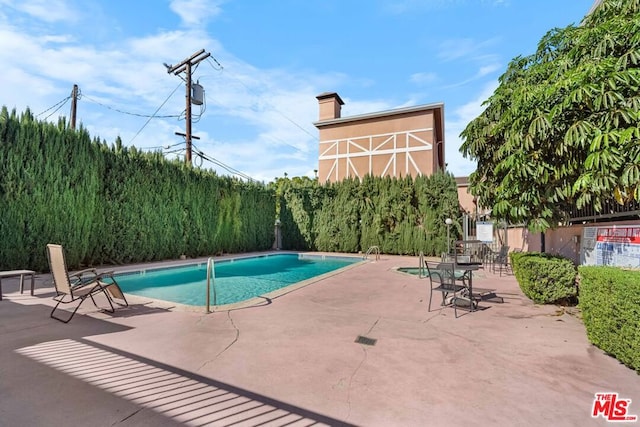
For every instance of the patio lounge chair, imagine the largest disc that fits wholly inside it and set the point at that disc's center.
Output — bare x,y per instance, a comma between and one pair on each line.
81,285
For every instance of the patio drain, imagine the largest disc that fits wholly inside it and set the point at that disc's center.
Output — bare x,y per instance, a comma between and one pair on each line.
366,340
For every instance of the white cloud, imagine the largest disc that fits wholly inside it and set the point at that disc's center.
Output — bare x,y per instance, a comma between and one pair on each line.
455,123
58,38
498,2
488,69
398,7
269,106
482,72
44,10
196,12
263,110
423,78
353,108
465,48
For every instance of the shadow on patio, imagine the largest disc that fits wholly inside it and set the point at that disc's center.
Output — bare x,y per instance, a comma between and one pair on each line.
171,395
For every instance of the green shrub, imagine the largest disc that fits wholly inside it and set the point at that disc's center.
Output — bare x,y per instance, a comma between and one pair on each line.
610,304
544,278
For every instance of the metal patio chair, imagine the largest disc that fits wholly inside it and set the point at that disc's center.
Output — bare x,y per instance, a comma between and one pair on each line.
501,260
442,279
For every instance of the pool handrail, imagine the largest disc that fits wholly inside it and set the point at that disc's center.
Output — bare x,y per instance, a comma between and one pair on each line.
421,272
373,249
211,274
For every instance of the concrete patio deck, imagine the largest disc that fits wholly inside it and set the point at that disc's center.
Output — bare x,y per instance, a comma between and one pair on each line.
293,360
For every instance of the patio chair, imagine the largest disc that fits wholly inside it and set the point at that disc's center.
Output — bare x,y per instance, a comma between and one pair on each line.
442,279
501,260
81,285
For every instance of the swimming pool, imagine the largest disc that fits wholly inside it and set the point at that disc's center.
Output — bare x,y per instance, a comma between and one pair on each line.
236,280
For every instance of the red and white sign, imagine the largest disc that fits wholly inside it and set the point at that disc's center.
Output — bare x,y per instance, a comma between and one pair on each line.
619,234
615,245
612,408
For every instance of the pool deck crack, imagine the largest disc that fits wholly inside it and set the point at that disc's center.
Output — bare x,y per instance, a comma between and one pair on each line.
374,325
353,374
235,339
355,371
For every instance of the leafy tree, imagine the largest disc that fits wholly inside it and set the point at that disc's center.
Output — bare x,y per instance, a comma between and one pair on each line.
562,129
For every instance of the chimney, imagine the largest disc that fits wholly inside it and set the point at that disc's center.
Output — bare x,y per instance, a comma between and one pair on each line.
329,104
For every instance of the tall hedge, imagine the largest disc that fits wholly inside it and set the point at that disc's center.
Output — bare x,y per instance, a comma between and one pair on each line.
399,215
610,304
113,204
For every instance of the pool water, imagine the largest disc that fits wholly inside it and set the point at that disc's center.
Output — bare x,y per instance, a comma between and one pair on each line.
413,270
235,280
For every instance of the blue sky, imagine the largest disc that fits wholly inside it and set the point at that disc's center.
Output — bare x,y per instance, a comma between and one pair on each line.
276,56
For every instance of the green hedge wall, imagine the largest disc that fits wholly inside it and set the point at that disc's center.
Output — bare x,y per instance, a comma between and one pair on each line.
400,216
111,204
544,278
610,304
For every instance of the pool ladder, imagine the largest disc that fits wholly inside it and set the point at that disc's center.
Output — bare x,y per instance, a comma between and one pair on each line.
421,270
211,282
375,250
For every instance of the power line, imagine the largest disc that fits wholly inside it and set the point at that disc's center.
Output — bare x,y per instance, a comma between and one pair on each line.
54,111
161,147
130,113
179,150
266,102
154,113
226,167
277,140
220,67
223,165
58,104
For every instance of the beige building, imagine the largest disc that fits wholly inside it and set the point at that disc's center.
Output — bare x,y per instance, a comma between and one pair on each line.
396,143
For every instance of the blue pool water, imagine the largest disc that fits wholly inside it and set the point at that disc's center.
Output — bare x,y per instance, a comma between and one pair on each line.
235,280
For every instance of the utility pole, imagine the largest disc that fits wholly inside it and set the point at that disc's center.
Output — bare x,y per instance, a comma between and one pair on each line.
74,106
186,67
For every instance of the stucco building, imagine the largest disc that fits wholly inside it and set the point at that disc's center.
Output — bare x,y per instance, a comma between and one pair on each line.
400,142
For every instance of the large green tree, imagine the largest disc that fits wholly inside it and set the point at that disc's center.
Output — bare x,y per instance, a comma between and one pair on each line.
561,129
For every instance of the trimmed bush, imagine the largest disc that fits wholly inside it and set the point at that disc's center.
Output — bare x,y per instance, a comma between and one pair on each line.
610,304
544,278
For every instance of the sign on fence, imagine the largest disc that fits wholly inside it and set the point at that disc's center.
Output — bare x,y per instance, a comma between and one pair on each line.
611,245
484,231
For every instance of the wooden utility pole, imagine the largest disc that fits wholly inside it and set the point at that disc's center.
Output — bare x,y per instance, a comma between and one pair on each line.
186,67
74,106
